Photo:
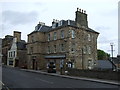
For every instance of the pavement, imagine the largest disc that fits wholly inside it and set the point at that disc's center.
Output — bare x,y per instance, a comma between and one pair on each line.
73,77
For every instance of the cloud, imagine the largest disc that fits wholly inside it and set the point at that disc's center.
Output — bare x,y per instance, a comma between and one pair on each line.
15,17
101,28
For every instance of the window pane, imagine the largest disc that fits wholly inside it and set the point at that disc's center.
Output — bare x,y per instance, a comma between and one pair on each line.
62,47
84,49
62,34
89,37
89,50
55,35
48,37
73,34
14,53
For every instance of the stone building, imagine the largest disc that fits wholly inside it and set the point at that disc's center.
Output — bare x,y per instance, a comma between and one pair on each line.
67,43
17,54
6,44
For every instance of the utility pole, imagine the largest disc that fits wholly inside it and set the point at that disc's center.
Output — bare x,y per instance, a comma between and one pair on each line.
111,44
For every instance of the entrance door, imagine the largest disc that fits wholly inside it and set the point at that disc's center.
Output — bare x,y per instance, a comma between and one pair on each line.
35,64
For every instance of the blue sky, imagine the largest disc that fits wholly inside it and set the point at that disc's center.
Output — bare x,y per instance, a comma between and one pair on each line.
23,16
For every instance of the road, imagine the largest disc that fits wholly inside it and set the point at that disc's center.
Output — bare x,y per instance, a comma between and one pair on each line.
16,78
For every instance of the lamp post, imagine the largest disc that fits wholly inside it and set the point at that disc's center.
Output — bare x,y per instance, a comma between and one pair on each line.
111,44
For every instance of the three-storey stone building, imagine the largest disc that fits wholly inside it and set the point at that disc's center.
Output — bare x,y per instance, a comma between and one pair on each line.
67,43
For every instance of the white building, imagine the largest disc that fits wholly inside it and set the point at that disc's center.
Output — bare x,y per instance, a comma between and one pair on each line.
12,54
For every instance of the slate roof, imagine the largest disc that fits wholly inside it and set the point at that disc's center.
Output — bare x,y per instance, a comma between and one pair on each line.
44,28
104,64
115,60
21,45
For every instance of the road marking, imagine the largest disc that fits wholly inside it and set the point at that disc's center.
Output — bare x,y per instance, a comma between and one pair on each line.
44,81
4,85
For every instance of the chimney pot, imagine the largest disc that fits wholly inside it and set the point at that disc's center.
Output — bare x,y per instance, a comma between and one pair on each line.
82,10
85,11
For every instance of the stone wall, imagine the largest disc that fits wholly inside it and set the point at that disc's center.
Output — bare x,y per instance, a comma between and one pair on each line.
99,74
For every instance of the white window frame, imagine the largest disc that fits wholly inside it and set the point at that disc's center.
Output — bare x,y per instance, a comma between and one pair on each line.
89,49
54,25
49,37
73,33
84,50
55,35
90,64
61,22
89,37
68,22
62,33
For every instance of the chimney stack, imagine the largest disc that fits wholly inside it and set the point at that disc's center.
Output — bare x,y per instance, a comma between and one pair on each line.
81,18
55,23
17,35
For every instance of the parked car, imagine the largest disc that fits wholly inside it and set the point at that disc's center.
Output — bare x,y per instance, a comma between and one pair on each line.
51,68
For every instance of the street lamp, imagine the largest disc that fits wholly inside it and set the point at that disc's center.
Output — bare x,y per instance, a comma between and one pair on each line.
111,44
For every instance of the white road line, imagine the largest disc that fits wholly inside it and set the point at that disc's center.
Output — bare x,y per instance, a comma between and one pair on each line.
44,81
4,85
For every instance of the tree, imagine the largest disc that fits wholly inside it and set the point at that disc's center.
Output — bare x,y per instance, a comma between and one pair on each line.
102,55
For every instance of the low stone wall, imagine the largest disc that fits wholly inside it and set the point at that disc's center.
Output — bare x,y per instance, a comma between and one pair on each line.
99,74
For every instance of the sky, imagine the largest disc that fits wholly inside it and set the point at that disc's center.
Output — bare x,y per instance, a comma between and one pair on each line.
23,16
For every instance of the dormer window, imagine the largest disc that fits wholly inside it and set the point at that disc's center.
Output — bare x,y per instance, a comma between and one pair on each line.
68,22
54,25
60,23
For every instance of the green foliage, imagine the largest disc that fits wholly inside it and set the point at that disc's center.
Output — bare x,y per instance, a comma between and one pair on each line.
102,55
